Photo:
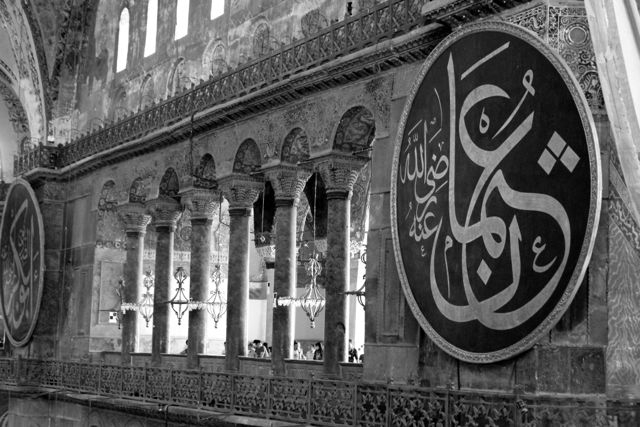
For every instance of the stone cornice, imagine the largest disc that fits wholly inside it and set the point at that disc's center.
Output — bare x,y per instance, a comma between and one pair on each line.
134,217
201,202
287,180
339,171
240,190
164,211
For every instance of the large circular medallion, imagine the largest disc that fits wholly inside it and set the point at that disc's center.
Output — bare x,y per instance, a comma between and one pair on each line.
21,262
495,192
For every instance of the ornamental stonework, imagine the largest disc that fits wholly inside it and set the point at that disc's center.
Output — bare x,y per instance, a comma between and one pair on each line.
134,217
339,171
288,181
164,211
241,190
201,202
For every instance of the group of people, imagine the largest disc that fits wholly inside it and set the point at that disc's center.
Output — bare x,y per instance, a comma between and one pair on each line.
259,349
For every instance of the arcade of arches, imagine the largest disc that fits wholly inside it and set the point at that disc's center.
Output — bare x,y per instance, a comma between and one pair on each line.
240,142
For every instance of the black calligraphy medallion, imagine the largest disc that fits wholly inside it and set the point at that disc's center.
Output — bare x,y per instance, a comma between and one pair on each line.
496,190
21,262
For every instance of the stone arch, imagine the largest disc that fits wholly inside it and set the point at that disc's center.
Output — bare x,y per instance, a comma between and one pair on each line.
248,158
147,92
169,183
356,130
107,197
137,191
205,173
119,108
312,22
214,59
17,113
262,41
177,79
295,147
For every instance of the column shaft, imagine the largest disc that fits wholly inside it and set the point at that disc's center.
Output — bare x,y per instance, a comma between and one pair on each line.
337,280
285,284
200,253
163,274
238,286
131,291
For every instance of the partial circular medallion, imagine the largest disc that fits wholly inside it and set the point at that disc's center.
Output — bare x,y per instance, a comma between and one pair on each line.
496,192
21,262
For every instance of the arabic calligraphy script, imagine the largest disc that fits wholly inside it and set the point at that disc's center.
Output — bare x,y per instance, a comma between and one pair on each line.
493,193
21,263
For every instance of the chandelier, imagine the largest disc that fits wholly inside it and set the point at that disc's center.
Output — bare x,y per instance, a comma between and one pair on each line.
312,301
145,305
180,304
216,305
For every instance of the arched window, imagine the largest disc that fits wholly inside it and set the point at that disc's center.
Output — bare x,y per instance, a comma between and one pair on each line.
182,19
261,40
217,8
123,40
152,28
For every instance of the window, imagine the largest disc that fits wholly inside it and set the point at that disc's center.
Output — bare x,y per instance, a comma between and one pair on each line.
152,28
123,40
217,8
182,19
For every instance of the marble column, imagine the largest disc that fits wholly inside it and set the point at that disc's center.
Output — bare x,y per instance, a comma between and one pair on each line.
135,220
339,173
288,183
202,203
165,212
241,191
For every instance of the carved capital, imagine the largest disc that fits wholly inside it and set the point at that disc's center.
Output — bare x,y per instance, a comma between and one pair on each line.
288,181
339,171
201,202
164,210
240,190
134,217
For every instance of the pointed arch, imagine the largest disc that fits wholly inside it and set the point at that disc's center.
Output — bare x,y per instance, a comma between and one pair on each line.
214,58
147,92
247,159
295,147
205,173
169,184
355,131
137,191
177,79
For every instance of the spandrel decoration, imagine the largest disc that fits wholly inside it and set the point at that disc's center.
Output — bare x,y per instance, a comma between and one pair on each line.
21,262
496,190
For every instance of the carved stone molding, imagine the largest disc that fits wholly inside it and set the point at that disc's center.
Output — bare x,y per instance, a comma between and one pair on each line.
240,190
134,217
201,202
339,171
164,210
287,180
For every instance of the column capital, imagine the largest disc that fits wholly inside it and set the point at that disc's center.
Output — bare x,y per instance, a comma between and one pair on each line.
240,190
164,211
201,202
287,180
134,217
339,171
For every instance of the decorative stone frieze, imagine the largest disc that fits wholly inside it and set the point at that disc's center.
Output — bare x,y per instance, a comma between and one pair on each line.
164,211
339,171
287,180
201,202
134,217
240,190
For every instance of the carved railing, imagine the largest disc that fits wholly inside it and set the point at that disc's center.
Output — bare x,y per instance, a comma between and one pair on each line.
36,156
316,401
384,21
